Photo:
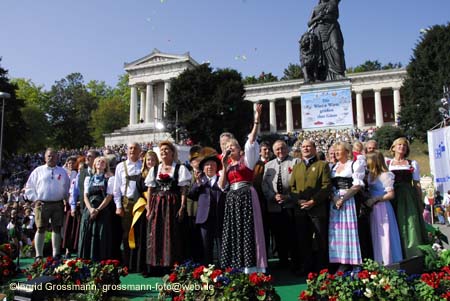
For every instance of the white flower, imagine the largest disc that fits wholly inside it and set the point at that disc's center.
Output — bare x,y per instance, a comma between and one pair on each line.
436,247
368,293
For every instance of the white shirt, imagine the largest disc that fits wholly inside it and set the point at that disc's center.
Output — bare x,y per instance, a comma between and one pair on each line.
133,168
47,184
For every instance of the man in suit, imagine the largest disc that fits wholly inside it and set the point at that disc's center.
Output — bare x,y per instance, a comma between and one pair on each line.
311,187
279,204
211,202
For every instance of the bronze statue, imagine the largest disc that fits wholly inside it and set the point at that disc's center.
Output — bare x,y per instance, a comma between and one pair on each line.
328,54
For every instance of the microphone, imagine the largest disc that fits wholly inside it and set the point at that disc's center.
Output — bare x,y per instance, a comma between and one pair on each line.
228,153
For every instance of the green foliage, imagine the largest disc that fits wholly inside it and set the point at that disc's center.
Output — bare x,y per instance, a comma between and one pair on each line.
99,89
122,90
373,66
69,108
14,126
261,79
428,72
386,134
36,136
212,98
293,71
111,114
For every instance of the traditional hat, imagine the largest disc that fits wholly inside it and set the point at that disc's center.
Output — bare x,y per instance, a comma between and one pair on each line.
207,154
194,152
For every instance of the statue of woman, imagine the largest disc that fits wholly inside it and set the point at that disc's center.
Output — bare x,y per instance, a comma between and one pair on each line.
324,24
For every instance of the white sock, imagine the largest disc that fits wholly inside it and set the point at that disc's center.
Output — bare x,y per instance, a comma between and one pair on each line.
39,239
56,243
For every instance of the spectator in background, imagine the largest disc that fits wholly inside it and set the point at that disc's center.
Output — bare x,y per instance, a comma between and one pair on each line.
371,146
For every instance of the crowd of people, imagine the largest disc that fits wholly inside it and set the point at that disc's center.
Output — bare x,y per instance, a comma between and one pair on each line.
329,198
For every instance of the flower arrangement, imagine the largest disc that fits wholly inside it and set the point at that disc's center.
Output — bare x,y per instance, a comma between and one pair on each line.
108,272
375,282
76,271
7,266
190,281
42,268
80,272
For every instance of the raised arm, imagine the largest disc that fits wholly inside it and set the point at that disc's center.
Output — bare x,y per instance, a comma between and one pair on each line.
254,132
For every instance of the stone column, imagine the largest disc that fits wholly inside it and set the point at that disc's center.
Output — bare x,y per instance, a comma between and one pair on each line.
166,96
378,108
149,115
133,105
396,104
289,116
272,116
359,110
142,107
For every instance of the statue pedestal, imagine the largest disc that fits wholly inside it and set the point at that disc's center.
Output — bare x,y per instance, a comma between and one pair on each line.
143,132
327,105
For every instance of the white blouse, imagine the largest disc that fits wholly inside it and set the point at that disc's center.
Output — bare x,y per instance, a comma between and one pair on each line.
184,176
358,173
414,165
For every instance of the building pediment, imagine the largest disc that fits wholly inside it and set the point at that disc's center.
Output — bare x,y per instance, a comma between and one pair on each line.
157,58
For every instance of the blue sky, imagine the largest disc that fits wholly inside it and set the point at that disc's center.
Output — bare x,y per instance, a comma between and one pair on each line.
45,40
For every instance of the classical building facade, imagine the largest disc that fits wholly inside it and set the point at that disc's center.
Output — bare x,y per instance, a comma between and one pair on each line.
375,98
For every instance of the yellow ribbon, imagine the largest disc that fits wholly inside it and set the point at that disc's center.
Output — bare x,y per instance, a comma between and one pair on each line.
138,208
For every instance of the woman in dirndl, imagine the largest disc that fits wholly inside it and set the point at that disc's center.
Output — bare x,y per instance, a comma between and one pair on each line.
347,178
407,203
243,244
167,185
96,231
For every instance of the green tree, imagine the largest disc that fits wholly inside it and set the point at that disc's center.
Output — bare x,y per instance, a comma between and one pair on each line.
122,90
69,107
261,79
386,135
99,89
208,103
428,71
14,126
293,71
110,115
373,66
36,137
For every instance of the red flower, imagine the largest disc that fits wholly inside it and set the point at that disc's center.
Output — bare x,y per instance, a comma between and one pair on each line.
323,271
198,272
364,274
78,282
71,263
29,277
164,176
5,273
387,287
227,270
215,273
311,276
125,271
173,277
304,295
254,278
261,292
